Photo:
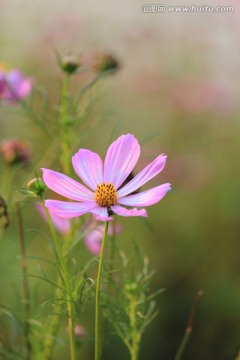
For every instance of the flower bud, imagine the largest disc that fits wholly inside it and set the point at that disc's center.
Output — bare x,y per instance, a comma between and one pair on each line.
15,152
70,64
4,217
37,186
105,62
80,332
131,288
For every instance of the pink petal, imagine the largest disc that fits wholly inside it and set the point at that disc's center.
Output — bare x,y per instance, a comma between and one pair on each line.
114,228
101,213
66,186
68,209
146,198
88,166
120,160
62,225
93,240
25,89
150,171
119,210
18,87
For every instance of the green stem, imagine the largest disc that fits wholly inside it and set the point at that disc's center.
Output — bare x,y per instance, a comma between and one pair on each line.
97,303
135,338
134,354
51,332
112,251
67,282
189,327
183,345
54,324
64,124
25,285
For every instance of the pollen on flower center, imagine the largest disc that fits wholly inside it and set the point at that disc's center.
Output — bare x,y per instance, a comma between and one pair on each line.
106,195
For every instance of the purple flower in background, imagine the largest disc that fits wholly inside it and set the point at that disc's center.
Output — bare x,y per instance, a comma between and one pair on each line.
14,85
61,225
94,235
106,195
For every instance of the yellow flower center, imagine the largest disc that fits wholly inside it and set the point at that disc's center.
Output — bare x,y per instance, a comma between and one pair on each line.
106,195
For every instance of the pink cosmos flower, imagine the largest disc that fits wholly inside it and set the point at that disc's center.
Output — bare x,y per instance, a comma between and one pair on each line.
105,195
94,235
14,85
63,226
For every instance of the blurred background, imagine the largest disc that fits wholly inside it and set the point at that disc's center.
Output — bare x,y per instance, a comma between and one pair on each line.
177,91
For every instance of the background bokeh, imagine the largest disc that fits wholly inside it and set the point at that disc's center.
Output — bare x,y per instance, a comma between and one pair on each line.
178,92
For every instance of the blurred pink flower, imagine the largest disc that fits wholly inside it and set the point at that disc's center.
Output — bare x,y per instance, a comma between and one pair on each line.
79,330
105,181
94,234
14,85
61,225
15,151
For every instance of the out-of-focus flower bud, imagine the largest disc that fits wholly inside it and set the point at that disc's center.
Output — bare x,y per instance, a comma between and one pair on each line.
131,287
4,217
105,62
79,331
70,64
36,186
15,152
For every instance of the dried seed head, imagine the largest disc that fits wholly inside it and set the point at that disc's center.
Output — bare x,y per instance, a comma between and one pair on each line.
15,152
105,62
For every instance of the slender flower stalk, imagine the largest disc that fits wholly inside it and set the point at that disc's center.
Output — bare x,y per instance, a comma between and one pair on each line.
53,326
64,123
135,335
51,332
189,326
67,283
93,241
97,303
25,285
